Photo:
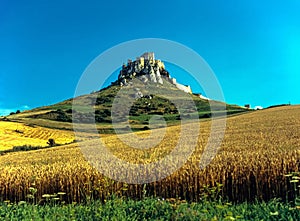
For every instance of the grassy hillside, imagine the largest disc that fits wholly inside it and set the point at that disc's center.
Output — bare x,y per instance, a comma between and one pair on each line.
258,150
97,107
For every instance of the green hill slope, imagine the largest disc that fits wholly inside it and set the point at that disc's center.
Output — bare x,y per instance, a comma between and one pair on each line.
96,107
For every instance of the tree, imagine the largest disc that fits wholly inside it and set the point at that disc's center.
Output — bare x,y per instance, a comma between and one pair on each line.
51,142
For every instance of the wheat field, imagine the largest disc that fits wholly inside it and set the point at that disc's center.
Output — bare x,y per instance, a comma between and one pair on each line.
258,150
18,134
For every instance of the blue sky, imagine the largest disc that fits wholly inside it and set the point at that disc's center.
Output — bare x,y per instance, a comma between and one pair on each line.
253,47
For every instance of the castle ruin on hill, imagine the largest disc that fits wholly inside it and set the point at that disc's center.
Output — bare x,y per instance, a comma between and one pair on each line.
147,69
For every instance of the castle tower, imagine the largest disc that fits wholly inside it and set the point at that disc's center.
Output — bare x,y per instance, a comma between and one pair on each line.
149,56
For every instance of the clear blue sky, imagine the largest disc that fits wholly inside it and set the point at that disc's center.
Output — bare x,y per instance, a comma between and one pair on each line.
252,46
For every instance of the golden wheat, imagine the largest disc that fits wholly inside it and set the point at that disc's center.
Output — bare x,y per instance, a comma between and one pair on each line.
18,134
258,149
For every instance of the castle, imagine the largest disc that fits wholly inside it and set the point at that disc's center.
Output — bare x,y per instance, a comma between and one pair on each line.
148,69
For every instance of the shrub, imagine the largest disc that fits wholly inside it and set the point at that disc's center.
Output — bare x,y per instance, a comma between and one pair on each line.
51,142
98,112
62,116
69,111
146,128
24,148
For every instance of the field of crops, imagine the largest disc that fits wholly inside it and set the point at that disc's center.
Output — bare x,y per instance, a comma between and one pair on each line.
258,150
18,134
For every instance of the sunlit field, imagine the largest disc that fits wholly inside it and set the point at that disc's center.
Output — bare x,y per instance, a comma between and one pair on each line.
18,134
258,150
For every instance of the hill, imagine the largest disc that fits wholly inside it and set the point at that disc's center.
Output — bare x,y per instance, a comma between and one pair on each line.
97,107
150,89
145,84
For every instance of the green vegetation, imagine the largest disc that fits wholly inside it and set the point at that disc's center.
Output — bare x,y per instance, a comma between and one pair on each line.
50,142
23,148
149,209
96,107
278,105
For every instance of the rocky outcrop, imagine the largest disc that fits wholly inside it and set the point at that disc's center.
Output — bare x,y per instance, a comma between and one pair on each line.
138,94
147,69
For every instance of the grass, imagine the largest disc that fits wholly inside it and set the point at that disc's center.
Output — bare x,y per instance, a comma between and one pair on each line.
149,209
101,102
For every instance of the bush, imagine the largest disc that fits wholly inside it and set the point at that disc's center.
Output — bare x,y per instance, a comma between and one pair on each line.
98,112
206,115
103,100
51,142
24,148
146,128
62,116
69,111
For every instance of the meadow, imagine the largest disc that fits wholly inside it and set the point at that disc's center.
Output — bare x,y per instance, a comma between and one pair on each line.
149,209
